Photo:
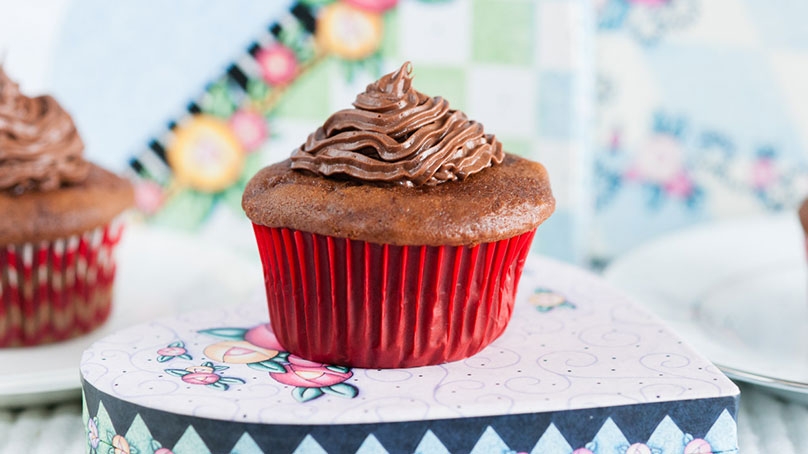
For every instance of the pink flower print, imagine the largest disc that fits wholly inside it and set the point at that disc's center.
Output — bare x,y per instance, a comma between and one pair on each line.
659,161
206,374
373,6
590,448
660,166
250,128
263,336
614,141
201,378
311,379
764,173
680,186
698,446
157,448
149,196
309,374
278,64
120,445
92,433
173,350
638,448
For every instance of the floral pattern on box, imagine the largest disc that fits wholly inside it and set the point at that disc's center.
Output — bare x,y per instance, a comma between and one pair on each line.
173,350
699,116
258,348
206,374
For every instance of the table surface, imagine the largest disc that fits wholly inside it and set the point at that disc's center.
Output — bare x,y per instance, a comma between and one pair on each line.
766,424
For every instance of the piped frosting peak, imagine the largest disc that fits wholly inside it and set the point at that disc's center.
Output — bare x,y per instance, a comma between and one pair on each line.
40,148
396,134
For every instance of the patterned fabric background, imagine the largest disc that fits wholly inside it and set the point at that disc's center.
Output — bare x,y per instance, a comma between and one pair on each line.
701,114
698,102
519,67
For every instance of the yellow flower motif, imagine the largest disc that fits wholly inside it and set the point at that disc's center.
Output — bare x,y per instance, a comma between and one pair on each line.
205,154
200,369
349,32
546,299
120,445
238,352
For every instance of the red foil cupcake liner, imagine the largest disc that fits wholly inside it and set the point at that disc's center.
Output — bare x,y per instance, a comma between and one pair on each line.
341,301
59,289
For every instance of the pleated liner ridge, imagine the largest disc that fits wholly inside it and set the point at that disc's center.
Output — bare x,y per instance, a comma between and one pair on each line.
55,290
361,304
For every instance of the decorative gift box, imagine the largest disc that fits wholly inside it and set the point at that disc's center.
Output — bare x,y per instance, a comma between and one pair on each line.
700,115
579,369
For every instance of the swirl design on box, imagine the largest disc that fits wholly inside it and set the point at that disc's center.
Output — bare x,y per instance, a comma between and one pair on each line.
39,146
396,134
599,355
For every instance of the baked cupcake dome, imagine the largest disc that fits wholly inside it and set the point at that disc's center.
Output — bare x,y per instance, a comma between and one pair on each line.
504,201
372,261
58,225
36,216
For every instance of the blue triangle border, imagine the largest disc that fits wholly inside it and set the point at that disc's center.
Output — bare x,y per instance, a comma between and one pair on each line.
519,432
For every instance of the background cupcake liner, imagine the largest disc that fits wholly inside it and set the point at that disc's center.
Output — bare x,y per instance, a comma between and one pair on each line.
348,302
54,290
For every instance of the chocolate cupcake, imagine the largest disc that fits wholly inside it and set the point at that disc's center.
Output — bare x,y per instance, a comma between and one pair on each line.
58,227
396,235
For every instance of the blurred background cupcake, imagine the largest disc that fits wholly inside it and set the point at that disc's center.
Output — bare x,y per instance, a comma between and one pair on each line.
59,224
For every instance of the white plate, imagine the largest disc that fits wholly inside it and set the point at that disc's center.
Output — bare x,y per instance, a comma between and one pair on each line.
737,291
160,273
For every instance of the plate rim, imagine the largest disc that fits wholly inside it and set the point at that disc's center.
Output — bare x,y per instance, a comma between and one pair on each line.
761,379
62,383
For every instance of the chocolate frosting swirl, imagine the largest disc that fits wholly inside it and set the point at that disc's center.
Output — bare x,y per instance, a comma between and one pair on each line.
39,145
398,135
